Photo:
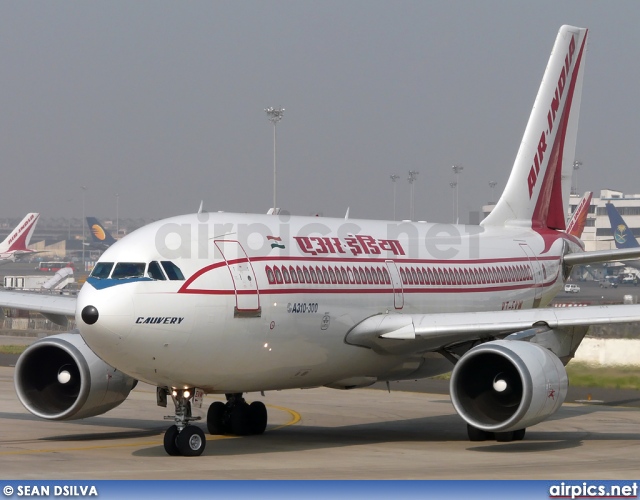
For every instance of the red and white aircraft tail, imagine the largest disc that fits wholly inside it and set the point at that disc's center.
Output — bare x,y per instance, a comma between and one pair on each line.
579,218
540,181
16,243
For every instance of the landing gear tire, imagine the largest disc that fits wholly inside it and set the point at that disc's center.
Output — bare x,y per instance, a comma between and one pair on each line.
216,418
504,437
258,417
476,434
191,441
170,437
241,420
519,434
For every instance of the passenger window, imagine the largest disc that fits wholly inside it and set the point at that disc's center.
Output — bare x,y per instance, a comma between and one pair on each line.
154,272
125,270
102,270
173,271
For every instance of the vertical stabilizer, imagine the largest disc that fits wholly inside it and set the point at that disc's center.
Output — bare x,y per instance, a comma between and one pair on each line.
538,188
19,238
579,218
622,235
99,234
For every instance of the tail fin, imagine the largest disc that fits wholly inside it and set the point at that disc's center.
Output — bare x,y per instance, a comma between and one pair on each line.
19,238
538,187
622,235
579,218
99,235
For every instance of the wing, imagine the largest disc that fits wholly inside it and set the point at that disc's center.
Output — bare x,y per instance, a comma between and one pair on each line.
405,333
54,307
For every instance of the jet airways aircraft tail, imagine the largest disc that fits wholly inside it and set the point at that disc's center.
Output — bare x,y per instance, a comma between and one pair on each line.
579,218
538,189
622,235
18,240
100,237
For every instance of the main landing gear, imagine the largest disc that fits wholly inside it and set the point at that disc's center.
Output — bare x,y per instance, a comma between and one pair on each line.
236,417
476,434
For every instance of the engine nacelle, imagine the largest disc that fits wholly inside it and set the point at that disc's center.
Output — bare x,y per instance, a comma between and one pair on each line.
507,385
60,378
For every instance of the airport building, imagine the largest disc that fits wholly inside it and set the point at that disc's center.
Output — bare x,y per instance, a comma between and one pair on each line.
597,234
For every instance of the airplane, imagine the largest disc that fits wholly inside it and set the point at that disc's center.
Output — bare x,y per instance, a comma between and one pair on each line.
14,246
222,303
622,234
579,218
100,237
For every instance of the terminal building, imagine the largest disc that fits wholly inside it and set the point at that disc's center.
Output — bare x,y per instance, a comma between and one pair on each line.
597,234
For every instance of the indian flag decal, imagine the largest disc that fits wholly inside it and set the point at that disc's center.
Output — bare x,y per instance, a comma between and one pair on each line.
275,241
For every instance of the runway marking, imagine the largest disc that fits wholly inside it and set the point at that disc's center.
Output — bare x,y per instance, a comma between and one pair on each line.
295,418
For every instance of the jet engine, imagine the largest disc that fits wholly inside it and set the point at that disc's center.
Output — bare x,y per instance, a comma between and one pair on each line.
508,385
60,378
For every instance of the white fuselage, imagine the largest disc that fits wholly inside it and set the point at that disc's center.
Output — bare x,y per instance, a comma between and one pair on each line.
267,301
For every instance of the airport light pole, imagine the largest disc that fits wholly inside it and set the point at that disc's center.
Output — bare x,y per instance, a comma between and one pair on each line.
394,178
492,186
274,115
413,175
84,190
456,171
70,214
453,197
117,213
576,166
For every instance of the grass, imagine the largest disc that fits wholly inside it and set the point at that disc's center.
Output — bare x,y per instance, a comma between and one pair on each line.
608,377
580,374
12,349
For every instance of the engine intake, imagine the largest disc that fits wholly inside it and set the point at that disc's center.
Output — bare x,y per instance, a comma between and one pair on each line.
60,378
508,385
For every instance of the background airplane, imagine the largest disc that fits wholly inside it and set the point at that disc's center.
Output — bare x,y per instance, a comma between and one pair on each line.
622,234
100,238
579,218
240,303
14,246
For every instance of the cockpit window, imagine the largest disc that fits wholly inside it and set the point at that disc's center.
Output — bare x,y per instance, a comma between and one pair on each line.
173,271
129,270
102,270
154,271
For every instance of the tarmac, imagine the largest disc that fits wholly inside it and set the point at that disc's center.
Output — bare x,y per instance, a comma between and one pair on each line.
412,432
319,434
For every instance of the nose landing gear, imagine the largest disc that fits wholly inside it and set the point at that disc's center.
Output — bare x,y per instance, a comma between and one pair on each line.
182,438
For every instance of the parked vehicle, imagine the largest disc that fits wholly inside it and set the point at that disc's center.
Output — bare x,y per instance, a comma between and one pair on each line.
608,284
571,288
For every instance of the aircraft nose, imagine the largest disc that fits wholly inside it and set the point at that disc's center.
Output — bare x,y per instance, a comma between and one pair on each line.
89,315
104,318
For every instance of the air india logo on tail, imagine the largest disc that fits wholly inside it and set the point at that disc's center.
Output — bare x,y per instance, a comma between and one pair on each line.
21,229
552,114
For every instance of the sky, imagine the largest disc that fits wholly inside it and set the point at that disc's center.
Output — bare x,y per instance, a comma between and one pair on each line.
153,106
